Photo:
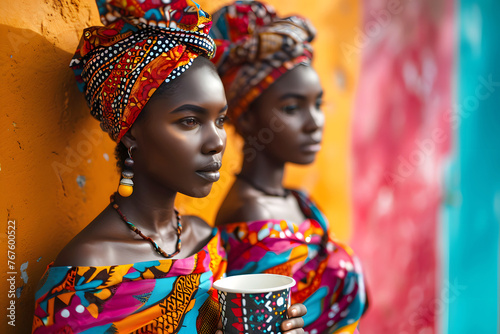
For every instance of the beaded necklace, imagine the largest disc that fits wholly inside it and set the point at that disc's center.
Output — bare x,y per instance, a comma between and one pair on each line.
155,245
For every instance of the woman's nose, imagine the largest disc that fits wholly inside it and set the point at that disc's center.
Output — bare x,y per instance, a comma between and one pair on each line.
214,140
315,119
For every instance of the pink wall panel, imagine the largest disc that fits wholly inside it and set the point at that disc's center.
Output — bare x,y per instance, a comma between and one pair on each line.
401,137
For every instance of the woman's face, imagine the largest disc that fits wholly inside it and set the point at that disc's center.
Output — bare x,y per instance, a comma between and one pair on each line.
180,138
286,120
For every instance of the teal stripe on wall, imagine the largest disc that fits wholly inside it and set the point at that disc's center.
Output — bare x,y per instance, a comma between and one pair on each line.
472,205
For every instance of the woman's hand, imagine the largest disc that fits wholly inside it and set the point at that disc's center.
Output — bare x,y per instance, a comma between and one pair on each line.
294,323
219,327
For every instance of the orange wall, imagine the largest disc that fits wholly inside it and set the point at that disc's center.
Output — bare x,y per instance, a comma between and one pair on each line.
56,166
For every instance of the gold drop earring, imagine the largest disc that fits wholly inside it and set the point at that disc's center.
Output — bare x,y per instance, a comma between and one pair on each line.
126,187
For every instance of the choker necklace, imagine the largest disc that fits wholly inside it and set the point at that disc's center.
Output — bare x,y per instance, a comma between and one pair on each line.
285,193
155,245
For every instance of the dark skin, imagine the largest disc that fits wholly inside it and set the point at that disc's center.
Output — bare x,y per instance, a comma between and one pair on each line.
290,109
177,143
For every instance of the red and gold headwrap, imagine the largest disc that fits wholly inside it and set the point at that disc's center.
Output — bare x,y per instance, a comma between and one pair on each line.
142,44
255,47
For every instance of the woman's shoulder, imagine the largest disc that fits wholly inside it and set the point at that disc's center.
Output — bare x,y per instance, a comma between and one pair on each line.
77,253
95,244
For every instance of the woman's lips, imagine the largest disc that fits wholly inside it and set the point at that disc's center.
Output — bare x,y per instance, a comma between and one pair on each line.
209,176
210,172
311,148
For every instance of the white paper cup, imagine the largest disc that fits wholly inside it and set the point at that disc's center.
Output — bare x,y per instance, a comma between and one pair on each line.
254,303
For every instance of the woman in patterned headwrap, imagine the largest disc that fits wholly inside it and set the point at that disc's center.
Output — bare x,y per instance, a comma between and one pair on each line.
147,79
274,98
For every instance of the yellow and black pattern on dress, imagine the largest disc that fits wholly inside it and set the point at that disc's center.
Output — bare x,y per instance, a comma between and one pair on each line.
209,315
177,304
148,329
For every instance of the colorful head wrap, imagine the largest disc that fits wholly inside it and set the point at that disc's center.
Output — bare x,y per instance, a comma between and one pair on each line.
255,47
143,44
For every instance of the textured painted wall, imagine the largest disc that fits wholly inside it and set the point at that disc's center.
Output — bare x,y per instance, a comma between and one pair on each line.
57,168
54,175
400,142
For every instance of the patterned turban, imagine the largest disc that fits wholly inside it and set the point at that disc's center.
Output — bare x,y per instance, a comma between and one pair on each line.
255,47
142,44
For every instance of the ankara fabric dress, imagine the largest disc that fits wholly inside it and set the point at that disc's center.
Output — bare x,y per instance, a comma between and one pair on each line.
329,277
163,296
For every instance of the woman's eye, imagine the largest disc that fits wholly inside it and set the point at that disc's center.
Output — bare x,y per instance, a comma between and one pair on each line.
189,122
221,120
319,104
290,108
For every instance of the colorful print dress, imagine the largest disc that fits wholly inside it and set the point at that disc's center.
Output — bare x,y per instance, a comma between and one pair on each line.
164,296
329,276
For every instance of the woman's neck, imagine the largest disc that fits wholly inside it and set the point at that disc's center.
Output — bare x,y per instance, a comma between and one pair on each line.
264,172
150,206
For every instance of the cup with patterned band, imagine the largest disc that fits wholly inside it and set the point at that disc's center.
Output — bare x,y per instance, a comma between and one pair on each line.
255,303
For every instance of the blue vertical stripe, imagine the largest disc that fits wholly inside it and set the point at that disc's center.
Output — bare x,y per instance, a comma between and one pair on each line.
472,203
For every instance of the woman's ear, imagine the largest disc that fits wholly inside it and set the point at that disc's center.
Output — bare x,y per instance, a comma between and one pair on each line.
129,140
